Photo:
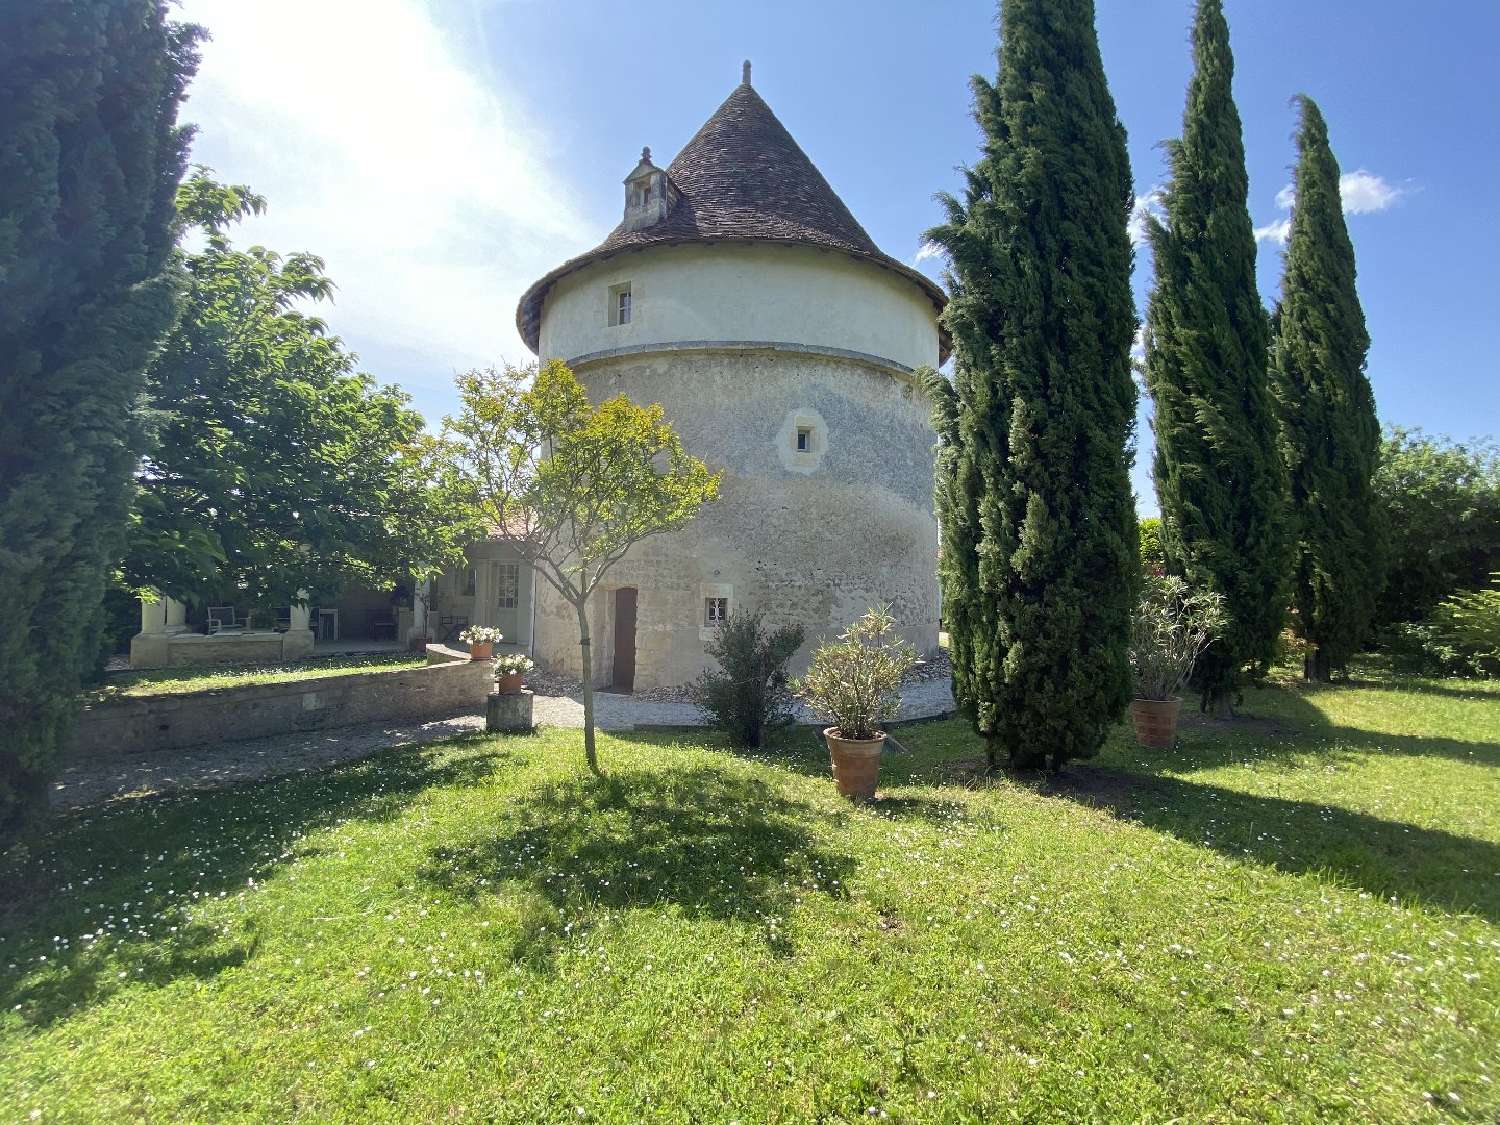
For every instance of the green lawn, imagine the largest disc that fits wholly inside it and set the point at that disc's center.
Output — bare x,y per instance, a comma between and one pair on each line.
172,681
1294,919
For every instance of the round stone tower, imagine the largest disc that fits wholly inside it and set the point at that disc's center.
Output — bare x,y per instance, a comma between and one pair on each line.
741,294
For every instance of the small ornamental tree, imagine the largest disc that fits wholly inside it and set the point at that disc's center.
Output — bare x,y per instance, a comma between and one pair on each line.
571,486
1330,434
90,156
1217,469
1039,564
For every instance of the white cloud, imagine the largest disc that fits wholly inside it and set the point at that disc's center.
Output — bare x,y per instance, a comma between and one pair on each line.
1278,231
1148,204
927,250
380,149
1361,193
1364,192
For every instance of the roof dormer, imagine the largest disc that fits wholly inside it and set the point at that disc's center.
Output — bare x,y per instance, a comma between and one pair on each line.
649,194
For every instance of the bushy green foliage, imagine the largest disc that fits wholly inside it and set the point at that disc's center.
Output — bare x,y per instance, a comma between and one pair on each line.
1039,529
1461,637
1440,502
570,485
1174,624
855,681
1330,434
1218,472
1153,552
90,157
750,694
277,467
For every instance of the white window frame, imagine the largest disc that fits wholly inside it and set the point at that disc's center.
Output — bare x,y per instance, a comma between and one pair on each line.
621,305
507,585
710,604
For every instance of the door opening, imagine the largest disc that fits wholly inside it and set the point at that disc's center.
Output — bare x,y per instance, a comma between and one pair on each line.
624,673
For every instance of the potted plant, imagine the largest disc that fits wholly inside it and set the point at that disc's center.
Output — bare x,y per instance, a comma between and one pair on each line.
855,682
510,670
481,640
1172,627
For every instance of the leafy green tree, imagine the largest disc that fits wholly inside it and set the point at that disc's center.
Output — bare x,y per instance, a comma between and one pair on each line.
1330,434
1039,549
1440,504
1218,471
279,472
90,156
570,485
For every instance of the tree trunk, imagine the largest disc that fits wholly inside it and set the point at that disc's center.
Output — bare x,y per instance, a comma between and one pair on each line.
1315,666
1218,704
588,688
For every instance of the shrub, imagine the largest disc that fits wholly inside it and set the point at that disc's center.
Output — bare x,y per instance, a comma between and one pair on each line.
856,680
750,693
1153,553
1173,625
1442,510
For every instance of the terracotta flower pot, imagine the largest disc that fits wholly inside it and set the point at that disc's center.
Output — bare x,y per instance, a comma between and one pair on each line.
509,683
1155,721
481,650
856,763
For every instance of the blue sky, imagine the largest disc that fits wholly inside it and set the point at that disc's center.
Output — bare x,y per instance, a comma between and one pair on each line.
442,155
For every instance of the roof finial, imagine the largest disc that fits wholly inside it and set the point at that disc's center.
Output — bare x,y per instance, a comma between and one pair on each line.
746,79
646,155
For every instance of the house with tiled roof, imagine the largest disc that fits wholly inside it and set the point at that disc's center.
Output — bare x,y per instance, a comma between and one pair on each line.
740,293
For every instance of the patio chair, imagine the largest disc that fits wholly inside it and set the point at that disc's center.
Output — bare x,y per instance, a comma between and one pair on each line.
221,618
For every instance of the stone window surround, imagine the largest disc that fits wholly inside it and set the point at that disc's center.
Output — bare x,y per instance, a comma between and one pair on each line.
707,590
620,307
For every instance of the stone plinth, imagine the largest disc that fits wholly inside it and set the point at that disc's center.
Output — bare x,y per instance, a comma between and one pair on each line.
509,714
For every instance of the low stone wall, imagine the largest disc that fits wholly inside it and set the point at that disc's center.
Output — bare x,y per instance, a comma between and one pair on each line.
442,689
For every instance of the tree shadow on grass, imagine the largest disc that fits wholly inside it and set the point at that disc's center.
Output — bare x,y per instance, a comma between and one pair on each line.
1428,866
709,843
1282,722
118,886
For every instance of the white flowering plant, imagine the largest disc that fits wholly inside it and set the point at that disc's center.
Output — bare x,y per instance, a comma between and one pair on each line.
513,663
481,635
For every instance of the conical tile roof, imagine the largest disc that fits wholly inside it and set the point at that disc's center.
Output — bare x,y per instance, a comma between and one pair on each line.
742,178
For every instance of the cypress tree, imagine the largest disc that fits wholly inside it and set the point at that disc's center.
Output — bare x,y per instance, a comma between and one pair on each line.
1034,495
90,159
1330,434
1218,471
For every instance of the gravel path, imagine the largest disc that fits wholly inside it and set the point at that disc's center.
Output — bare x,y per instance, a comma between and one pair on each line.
96,780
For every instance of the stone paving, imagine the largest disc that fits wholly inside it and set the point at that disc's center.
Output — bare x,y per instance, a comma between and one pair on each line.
96,780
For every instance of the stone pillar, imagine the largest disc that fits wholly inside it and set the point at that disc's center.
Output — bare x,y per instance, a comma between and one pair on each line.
297,641
508,714
176,615
152,646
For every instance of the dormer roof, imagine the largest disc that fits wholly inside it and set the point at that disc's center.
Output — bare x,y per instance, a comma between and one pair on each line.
742,178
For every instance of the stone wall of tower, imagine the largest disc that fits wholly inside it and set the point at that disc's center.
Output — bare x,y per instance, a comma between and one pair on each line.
813,536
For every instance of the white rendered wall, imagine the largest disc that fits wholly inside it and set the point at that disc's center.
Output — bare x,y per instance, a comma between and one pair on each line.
745,293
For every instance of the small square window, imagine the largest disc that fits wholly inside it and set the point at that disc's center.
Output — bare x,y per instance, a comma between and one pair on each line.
715,610
619,304
804,439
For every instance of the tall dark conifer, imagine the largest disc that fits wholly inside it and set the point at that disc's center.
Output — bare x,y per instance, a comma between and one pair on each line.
1034,494
90,158
1330,433
1218,471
